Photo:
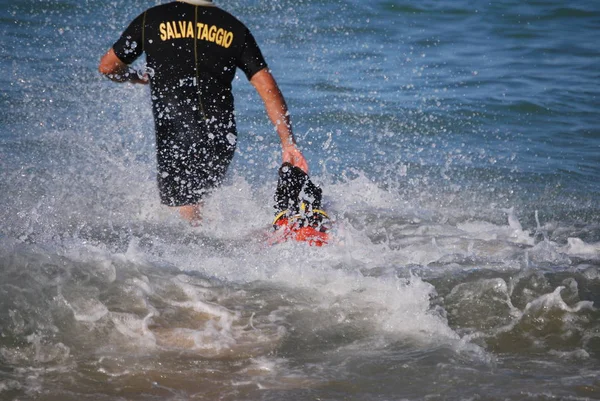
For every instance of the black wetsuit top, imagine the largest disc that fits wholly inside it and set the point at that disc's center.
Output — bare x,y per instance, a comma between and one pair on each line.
192,53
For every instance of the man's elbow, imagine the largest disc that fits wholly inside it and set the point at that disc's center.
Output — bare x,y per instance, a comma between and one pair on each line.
103,69
110,63
108,67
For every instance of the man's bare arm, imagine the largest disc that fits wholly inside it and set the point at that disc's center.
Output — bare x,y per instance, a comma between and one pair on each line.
277,110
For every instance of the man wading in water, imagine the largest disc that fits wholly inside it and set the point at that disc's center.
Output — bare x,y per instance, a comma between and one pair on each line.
192,51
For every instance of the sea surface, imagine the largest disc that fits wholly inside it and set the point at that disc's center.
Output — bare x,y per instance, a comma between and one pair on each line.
457,144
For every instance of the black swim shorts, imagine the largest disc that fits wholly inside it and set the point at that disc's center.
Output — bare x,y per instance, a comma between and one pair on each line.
192,157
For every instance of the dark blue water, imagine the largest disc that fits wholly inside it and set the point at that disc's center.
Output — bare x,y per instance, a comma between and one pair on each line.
458,147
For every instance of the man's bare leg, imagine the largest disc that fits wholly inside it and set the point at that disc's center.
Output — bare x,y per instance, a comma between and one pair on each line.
191,213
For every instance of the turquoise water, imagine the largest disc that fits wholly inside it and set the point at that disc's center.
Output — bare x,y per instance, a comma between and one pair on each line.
458,148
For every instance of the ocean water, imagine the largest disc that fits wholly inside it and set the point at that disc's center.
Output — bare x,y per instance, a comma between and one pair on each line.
457,144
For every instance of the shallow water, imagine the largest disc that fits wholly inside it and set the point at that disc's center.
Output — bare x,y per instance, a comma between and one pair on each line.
457,146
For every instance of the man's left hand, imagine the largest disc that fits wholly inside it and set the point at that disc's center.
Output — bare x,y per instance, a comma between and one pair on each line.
291,154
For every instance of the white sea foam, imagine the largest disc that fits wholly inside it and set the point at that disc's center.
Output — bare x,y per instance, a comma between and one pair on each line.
577,247
555,300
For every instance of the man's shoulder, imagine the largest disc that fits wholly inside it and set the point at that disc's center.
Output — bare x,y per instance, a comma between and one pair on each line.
222,14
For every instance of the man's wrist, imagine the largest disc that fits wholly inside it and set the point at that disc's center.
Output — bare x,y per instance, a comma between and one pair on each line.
289,146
